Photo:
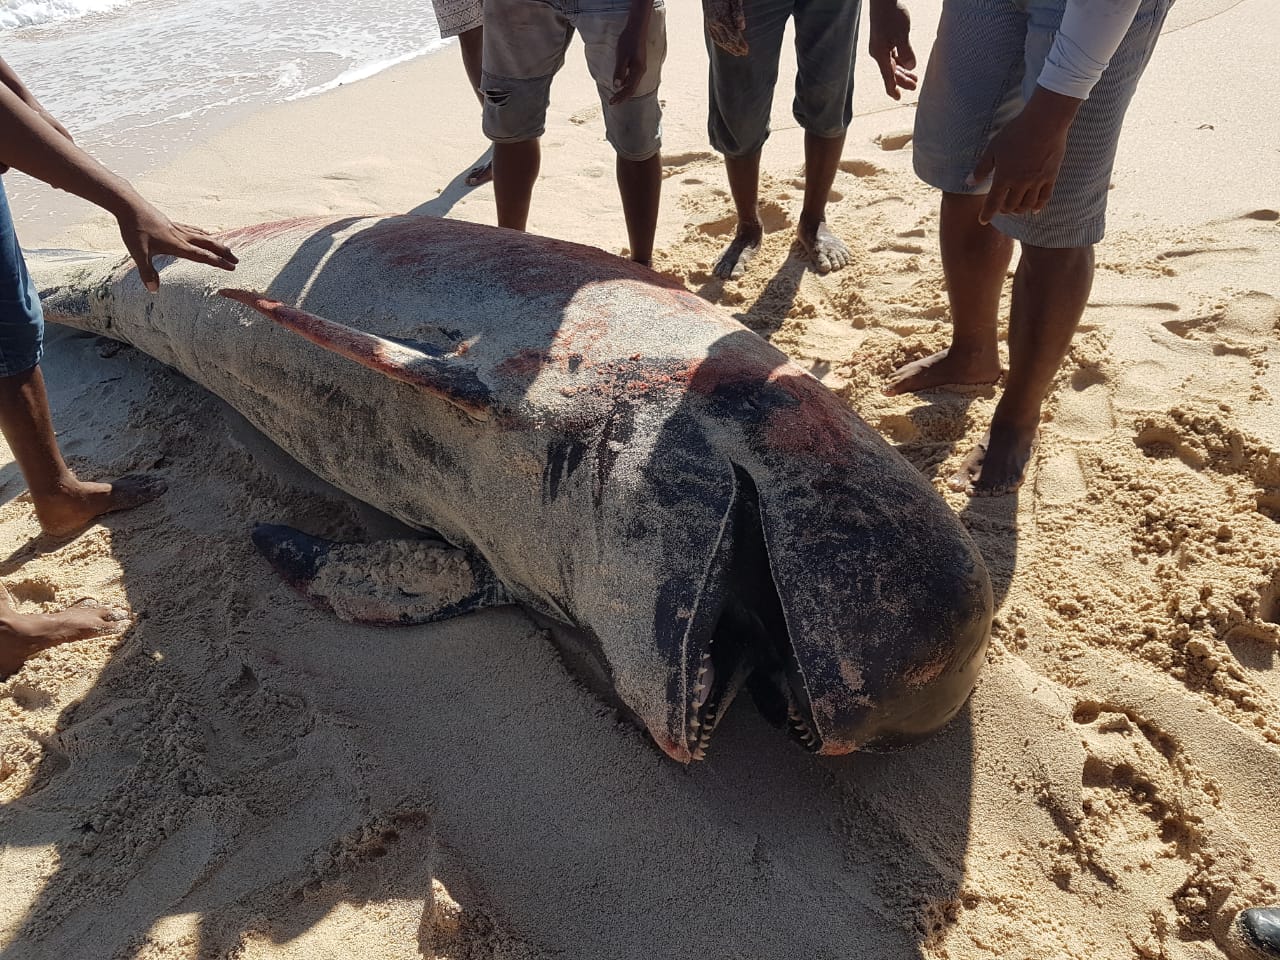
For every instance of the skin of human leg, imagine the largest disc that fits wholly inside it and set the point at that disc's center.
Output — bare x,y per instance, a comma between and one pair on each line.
472,44
1050,290
821,160
515,171
975,260
640,186
63,502
744,184
22,636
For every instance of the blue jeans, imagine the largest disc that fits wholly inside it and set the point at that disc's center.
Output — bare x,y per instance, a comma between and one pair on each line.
21,319
742,87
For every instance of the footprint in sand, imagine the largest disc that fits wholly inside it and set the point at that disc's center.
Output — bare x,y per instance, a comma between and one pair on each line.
861,168
1256,647
1135,803
1084,409
895,140
1146,828
585,115
1193,259
1163,442
1059,480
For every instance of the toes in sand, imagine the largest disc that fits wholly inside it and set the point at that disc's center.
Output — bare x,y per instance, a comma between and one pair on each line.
827,251
24,635
942,369
995,467
740,252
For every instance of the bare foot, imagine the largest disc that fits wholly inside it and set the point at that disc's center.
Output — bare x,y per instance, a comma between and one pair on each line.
943,369
998,464
77,503
746,243
24,635
827,251
480,175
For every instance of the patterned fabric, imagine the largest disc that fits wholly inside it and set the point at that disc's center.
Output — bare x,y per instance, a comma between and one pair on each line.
21,319
458,16
982,71
726,25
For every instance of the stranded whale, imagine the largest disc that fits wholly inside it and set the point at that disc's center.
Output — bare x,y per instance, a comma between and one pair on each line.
576,434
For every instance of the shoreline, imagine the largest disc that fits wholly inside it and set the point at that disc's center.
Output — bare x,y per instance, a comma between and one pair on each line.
42,213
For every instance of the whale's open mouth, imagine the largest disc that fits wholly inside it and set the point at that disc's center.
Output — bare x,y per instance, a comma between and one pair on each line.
751,645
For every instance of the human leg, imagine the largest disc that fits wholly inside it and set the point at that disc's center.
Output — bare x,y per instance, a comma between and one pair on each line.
472,44
524,45
1050,289
22,636
741,96
640,186
821,159
1055,274
632,126
975,259
826,46
63,503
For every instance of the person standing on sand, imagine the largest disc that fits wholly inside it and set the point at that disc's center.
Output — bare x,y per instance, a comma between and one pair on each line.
35,143
744,44
1018,120
524,47
464,19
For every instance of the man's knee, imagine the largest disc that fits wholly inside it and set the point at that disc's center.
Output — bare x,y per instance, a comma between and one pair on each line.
634,128
1058,258
514,110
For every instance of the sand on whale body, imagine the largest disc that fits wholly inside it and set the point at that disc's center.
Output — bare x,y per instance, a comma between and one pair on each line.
243,775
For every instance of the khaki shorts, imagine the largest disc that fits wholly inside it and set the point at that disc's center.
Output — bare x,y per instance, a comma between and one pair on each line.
524,47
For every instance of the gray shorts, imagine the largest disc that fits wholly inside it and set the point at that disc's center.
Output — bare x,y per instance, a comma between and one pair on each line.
524,46
982,70
742,87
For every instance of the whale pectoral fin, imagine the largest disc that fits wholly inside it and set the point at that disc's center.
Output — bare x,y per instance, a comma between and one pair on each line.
443,376
387,582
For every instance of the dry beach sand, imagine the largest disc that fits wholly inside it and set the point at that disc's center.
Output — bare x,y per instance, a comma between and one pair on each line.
240,775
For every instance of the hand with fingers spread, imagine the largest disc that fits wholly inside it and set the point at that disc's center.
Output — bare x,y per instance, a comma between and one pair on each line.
1024,158
890,46
149,233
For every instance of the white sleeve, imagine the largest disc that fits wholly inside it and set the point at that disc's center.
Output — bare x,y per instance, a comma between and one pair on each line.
1090,33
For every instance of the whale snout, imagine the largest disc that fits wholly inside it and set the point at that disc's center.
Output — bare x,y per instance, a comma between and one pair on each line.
910,685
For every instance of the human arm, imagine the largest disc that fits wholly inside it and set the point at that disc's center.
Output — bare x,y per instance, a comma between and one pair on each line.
14,83
631,59
30,144
890,46
1026,155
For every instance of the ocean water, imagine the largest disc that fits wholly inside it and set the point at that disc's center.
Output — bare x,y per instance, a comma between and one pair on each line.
135,80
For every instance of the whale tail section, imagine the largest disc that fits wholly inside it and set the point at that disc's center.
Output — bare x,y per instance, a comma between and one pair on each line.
386,583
